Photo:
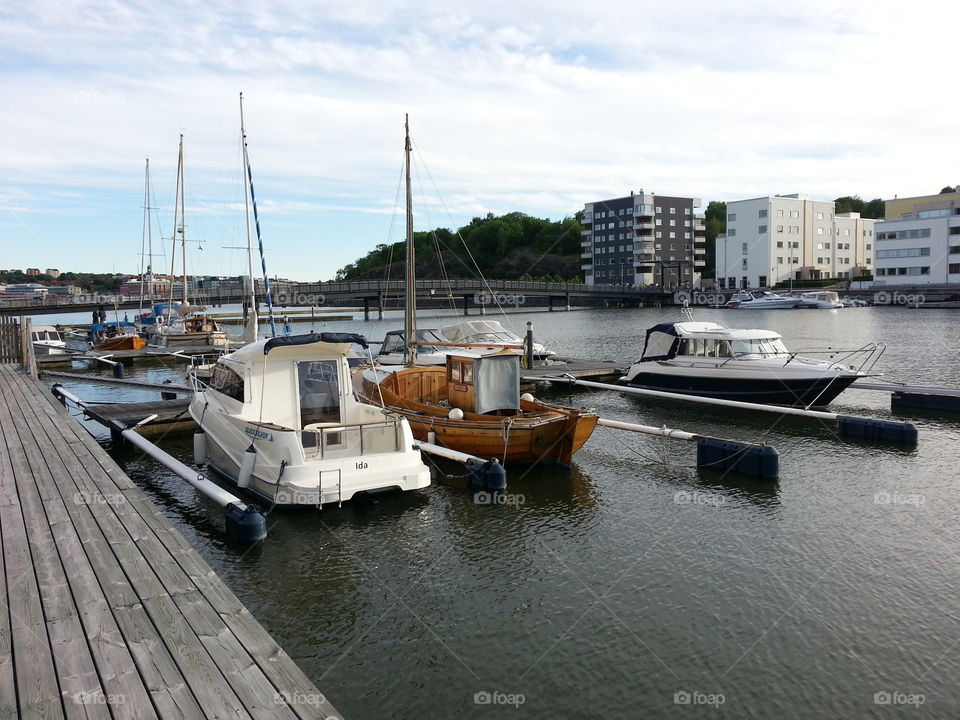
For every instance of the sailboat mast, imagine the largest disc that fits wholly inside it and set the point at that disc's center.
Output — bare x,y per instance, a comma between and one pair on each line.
246,213
146,229
176,224
148,194
183,226
268,296
410,317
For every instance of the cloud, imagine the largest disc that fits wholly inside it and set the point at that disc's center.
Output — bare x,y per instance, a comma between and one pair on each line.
529,106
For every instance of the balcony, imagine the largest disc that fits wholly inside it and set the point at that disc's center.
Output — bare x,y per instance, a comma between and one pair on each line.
588,232
587,255
646,224
700,262
587,219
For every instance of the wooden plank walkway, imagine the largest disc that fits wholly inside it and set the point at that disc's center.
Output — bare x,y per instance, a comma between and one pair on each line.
105,610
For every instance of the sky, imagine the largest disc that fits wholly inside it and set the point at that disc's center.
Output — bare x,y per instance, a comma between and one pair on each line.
529,106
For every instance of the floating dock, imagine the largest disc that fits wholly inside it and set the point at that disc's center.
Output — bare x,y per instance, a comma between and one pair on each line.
105,610
577,368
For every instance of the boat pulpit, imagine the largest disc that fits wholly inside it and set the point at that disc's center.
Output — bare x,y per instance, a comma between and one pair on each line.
484,383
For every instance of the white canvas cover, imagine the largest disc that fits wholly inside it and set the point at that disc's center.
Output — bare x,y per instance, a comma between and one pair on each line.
497,383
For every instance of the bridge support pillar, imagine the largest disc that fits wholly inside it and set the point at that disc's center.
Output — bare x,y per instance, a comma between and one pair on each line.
568,302
466,305
380,307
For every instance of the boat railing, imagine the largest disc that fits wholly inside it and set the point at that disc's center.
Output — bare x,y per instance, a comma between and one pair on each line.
863,359
352,440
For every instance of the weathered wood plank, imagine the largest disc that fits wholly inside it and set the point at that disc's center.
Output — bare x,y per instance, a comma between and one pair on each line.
206,680
38,693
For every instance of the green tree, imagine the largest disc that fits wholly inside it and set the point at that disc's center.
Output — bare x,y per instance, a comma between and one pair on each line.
715,221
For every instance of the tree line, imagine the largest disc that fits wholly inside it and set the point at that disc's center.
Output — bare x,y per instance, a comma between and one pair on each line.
517,246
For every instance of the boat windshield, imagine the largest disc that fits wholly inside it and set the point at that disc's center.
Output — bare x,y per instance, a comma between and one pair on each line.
319,389
766,347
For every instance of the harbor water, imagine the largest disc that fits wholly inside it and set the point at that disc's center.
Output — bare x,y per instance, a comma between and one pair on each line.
633,584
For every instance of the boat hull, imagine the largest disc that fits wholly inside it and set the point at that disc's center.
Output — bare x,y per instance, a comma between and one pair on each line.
540,432
765,390
126,342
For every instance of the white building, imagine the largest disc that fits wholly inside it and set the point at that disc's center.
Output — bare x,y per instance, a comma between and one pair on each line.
772,240
919,241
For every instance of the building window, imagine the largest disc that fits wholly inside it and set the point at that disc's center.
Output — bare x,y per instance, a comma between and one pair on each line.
762,229
746,248
779,261
744,263
761,214
779,243
819,216
731,233
762,281
673,211
731,217
819,229
779,228
779,213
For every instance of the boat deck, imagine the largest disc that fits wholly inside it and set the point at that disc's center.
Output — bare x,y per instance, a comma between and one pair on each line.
105,610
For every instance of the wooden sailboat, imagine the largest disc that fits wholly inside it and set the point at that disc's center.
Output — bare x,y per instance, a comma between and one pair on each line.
473,402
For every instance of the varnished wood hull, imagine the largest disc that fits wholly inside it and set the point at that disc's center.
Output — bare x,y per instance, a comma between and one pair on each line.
539,433
124,342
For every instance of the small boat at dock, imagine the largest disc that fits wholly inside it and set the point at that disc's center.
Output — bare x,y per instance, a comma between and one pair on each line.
710,360
761,300
280,419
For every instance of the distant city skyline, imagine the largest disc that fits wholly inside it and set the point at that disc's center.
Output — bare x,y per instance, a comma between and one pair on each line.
532,107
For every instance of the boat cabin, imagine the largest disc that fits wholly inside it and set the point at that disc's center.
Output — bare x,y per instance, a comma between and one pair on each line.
484,383
667,341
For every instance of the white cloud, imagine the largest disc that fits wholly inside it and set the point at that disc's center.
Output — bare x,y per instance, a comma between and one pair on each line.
529,106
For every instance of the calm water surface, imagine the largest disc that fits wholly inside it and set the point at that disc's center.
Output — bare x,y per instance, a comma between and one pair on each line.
633,585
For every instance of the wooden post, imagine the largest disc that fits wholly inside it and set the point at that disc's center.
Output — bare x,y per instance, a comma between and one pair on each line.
28,359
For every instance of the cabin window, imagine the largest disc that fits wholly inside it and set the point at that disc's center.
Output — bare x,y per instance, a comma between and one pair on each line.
468,373
227,382
319,389
455,371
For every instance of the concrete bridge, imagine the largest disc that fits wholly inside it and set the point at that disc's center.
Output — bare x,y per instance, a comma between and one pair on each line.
378,295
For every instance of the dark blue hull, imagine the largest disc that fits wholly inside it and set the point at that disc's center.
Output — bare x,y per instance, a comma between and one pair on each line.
820,391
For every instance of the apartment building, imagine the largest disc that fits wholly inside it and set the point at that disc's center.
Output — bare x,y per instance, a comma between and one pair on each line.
772,240
918,241
643,239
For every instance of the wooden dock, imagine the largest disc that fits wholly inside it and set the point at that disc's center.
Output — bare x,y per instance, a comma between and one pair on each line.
105,610
578,368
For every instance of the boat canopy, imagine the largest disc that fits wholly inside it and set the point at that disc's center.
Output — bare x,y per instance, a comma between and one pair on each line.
663,341
479,331
309,338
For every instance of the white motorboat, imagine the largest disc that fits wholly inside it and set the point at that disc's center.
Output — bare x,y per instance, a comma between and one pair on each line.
853,302
820,300
431,348
710,360
280,419
761,300
47,340
492,335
